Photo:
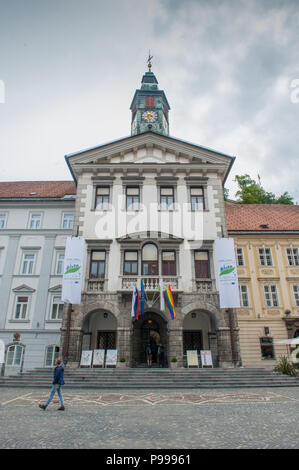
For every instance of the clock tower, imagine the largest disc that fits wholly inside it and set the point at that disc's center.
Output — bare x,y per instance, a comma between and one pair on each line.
149,106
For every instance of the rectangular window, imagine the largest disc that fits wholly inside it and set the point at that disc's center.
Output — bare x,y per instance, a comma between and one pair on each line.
202,265
265,257
21,308
267,348
197,199
59,263
97,264
240,257
271,296
28,263
102,198
56,308
166,198
132,198
244,300
296,294
3,218
35,221
131,262
293,256
68,221
168,263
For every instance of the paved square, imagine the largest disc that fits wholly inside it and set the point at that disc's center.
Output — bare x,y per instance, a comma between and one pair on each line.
210,419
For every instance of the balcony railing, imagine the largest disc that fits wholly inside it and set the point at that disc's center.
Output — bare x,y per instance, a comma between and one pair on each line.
204,286
95,285
150,283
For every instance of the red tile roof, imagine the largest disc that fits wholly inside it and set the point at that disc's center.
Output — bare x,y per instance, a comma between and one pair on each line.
36,189
262,217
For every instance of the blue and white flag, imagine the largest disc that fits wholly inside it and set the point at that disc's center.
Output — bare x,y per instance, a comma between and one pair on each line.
142,298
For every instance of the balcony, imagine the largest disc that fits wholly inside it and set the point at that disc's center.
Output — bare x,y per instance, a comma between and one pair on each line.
150,283
95,285
204,286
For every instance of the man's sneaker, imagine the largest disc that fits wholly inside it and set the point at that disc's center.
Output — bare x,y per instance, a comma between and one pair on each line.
61,408
42,407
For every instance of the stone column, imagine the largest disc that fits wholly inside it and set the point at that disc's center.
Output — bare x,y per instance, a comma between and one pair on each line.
75,338
123,344
224,347
175,336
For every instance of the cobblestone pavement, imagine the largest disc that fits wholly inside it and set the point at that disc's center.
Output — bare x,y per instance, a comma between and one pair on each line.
159,419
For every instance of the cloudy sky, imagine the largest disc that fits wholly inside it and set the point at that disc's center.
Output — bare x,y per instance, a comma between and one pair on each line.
229,68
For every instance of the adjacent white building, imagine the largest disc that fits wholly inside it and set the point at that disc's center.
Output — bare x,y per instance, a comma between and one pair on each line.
35,219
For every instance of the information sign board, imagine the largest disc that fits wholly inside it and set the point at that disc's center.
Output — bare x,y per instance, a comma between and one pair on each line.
98,357
111,357
192,358
86,358
206,358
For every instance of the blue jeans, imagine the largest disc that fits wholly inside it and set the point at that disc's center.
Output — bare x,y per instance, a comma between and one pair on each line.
55,388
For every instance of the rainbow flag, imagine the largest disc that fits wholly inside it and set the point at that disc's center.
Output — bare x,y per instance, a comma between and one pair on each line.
169,301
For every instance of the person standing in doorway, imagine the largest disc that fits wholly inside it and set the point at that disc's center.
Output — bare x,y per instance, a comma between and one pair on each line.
148,355
58,381
160,353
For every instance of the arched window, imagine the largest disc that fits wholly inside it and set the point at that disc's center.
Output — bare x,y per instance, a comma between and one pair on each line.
14,355
52,353
150,260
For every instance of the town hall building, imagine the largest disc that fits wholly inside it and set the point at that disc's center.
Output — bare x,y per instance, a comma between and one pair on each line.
150,207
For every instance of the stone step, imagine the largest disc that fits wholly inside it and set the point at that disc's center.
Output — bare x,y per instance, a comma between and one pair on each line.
148,378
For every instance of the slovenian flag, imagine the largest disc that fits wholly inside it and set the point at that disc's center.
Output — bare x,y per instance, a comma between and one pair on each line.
142,298
135,303
169,301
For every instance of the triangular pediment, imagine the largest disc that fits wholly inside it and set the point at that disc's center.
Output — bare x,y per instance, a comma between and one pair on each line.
148,148
23,289
57,288
150,235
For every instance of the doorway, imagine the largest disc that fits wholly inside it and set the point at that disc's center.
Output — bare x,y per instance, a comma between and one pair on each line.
106,340
149,328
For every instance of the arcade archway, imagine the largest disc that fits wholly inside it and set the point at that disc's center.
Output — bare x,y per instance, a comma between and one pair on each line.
150,327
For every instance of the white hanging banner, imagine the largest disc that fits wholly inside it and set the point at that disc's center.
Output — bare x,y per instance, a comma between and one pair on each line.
73,270
2,352
227,273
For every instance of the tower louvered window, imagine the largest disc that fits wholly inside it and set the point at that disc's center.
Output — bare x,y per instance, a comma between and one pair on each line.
149,102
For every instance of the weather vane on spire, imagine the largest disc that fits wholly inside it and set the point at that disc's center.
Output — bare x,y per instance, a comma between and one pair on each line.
149,64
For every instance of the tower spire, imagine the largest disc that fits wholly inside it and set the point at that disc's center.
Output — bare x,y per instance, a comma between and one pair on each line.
149,64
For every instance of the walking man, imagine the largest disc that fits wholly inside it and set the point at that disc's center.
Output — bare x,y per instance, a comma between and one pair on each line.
58,381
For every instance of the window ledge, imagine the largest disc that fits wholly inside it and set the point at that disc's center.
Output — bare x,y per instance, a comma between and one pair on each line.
14,320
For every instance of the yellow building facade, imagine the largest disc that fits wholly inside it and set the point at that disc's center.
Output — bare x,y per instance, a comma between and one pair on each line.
267,252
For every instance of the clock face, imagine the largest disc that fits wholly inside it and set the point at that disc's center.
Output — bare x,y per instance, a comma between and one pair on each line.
149,116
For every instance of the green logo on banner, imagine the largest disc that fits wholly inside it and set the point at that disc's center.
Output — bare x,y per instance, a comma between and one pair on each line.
72,269
226,270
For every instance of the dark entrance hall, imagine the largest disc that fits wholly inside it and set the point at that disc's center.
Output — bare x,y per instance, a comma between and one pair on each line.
149,328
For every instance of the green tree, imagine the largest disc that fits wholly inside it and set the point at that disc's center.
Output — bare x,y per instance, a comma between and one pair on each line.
250,192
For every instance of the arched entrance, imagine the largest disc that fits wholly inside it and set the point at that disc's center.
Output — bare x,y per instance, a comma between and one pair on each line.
150,327
99,330
199,333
